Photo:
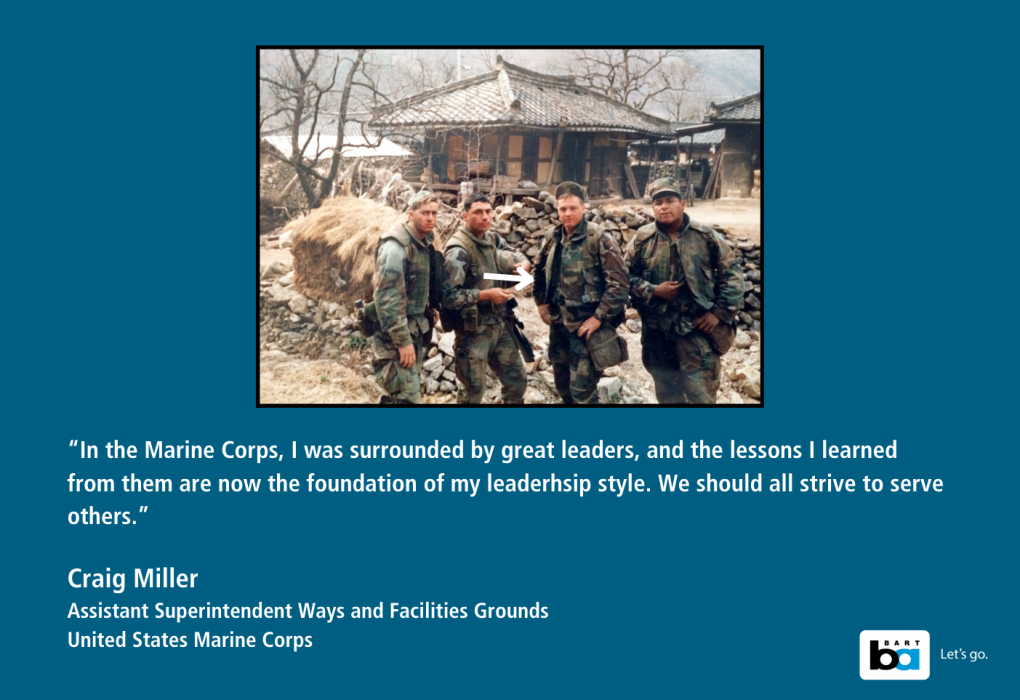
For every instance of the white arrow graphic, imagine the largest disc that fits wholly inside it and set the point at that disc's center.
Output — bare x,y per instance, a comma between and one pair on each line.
522,280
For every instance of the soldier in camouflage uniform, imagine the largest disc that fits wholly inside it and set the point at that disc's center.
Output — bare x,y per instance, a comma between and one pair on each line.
401,280
580,283
475,306
688,288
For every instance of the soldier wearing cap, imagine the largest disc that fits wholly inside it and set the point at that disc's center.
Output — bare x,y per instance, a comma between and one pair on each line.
401,280
687,286
476,308
580,283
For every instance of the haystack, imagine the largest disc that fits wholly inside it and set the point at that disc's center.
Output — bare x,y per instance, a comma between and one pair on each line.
334,248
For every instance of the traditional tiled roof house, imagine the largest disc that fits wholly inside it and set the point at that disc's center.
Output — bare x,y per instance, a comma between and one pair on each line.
529,128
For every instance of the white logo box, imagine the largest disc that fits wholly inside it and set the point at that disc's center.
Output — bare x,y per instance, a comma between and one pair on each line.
923,648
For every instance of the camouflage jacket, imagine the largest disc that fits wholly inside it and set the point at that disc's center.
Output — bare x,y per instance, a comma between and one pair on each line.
591,279
466,259
700,260
401,283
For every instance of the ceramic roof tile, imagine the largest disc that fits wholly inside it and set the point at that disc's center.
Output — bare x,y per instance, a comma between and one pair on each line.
744,109
544,101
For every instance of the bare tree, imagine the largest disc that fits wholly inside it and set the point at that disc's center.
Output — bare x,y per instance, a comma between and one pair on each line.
268,109
637,77
301,85
416,71
681,100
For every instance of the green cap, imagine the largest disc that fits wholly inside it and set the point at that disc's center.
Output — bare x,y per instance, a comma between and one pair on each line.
666,185
573,188
419,197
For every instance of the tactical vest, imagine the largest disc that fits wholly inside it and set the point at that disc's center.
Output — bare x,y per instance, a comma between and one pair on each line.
417,268
699,279
481,259
593,283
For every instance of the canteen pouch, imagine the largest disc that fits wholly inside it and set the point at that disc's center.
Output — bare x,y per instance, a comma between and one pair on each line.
722,338
606,348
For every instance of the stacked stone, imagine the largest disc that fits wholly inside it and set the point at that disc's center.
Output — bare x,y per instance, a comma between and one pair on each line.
437,372
294,323
522,223
749,255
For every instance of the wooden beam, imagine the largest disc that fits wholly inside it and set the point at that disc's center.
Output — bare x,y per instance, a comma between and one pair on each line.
428,165
630,178
555,157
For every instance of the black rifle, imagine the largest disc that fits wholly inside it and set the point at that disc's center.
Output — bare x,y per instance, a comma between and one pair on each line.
515,326
436,275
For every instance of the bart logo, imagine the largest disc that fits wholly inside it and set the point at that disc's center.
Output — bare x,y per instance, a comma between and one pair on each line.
900,655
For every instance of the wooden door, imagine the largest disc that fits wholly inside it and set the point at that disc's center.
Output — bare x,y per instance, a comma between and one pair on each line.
529,158
572,158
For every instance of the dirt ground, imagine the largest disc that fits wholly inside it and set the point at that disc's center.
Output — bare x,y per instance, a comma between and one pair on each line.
271,255
287,378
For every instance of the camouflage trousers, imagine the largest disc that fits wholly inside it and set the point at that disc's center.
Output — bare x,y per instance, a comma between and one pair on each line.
492,346
685,369
401,385
574,372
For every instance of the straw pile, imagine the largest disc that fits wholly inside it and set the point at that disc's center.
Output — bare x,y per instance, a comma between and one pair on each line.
334,248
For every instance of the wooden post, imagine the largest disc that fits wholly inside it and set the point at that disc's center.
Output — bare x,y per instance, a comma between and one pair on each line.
678,156
495,171
499,152
719,171
555,157
428,165
652,174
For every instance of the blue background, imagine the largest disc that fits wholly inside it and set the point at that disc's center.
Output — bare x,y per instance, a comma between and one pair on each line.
889,257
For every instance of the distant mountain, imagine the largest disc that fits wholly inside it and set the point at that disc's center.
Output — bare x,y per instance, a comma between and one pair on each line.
727,73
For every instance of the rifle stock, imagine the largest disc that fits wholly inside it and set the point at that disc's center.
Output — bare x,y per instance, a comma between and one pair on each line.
515,326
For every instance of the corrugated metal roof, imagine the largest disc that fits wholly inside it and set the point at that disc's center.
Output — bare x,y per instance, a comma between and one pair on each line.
511,95
744,109
708,138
